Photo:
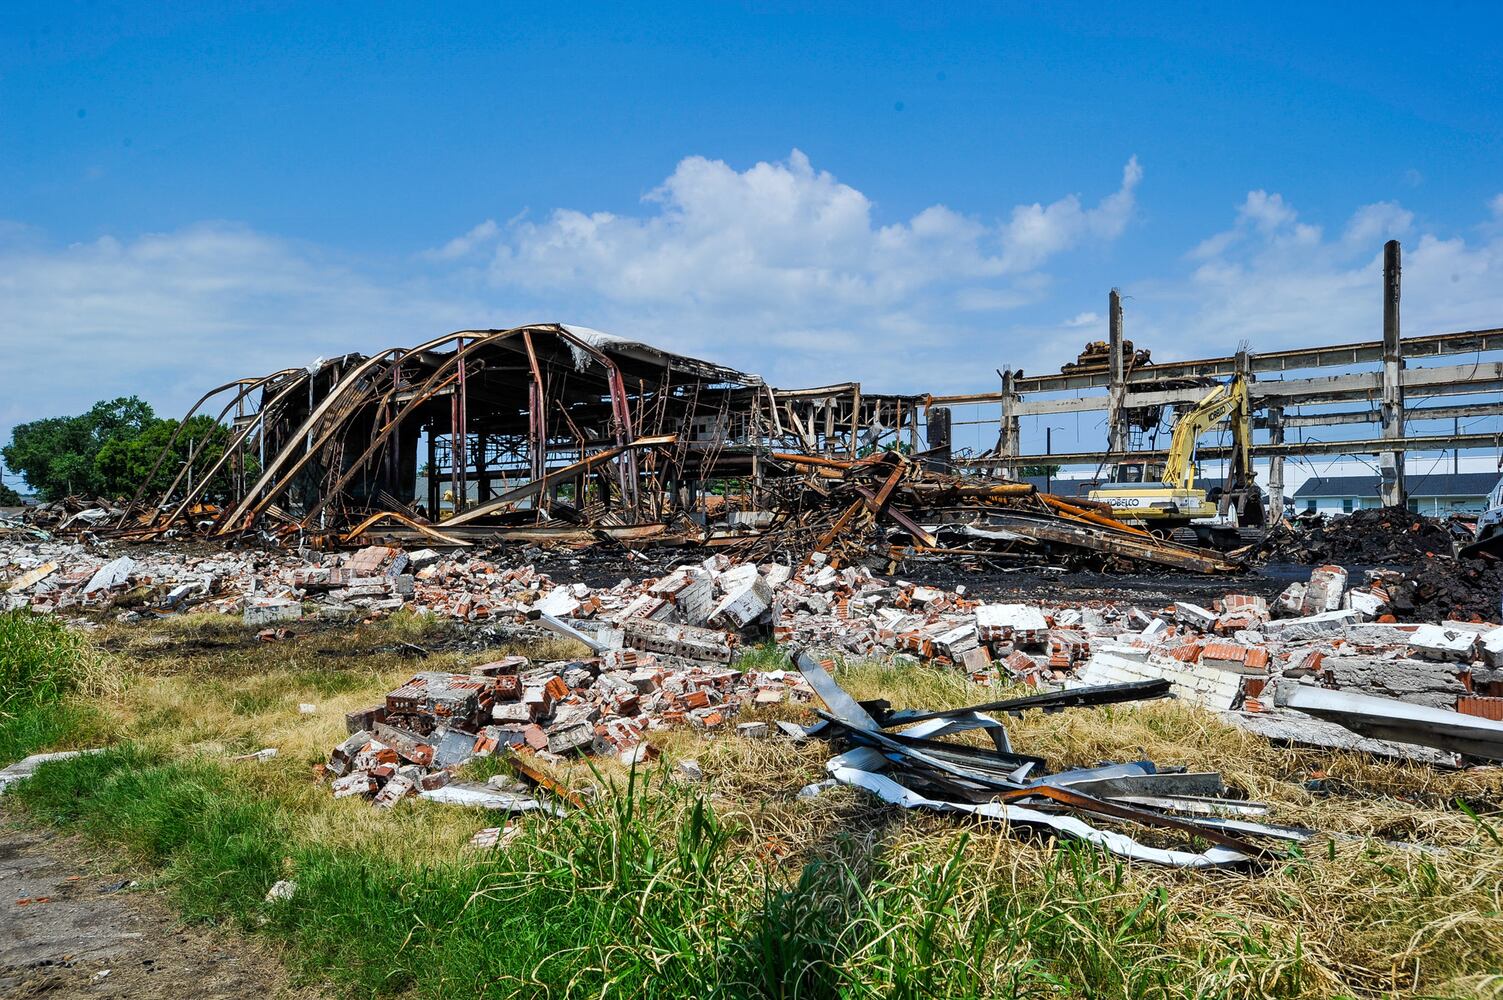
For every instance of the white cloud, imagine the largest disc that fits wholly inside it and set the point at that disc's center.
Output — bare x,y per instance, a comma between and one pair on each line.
1036,232
779,268
721,260
1378,223
168,315
1275,282
466,244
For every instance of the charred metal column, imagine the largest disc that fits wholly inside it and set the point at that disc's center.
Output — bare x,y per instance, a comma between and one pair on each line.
1275,466
1116,413
537,425
459,437
1391,463
938,459
855,419
482,474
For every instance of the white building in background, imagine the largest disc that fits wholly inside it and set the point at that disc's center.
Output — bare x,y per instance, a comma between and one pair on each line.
1436,494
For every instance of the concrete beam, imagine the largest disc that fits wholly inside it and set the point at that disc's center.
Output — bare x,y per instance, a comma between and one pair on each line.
1116,392
1359,446
1376,416
1446,380
1333,356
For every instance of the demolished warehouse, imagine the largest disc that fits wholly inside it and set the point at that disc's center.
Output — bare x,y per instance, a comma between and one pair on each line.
559,434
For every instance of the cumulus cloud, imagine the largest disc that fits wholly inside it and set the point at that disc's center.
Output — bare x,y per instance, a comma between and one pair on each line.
719,260
466,243
1273,280
716,235
778,268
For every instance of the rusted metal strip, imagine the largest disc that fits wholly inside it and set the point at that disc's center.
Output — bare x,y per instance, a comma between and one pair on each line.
909,524
417,526
1105,807
1086,515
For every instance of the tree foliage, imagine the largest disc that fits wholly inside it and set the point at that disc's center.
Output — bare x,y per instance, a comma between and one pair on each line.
109,451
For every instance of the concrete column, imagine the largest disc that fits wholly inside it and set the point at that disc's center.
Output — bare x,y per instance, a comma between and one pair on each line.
1116,393
1391,463
1012,424
1275,466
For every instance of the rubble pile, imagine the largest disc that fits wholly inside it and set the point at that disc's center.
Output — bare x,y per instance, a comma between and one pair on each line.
412,743
663,648
1392,536
1441,588
886,508
1428,581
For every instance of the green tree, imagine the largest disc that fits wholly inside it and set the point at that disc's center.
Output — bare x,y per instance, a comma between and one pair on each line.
109,451
9,497
56,454
1040,470
124,463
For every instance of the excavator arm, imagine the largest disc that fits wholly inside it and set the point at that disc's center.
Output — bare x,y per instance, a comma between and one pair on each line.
1229,400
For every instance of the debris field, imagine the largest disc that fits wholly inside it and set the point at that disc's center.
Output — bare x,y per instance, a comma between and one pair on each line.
1333,661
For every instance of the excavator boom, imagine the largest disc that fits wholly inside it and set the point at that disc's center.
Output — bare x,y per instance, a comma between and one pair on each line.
1229,400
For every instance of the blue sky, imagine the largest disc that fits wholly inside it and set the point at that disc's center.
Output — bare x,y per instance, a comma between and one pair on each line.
906,196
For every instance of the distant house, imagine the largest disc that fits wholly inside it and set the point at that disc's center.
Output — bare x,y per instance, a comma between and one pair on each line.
1435,494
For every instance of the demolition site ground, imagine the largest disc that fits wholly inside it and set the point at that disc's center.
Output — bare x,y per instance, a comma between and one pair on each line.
703,871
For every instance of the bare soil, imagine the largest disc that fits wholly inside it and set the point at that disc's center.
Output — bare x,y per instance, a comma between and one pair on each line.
71,928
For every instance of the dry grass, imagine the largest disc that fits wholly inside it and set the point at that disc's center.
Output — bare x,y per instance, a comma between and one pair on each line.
1349,915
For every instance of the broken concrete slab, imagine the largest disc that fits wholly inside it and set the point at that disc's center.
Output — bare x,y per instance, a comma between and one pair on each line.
23,769
1436,642
1323,625
269,611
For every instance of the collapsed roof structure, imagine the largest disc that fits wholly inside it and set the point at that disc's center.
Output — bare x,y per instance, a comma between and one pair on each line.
547,427
559,434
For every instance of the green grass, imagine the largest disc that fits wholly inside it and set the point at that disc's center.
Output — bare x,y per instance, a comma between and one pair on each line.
648,892
40,663
737,887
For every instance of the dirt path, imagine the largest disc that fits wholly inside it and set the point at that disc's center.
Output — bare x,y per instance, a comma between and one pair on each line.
71,929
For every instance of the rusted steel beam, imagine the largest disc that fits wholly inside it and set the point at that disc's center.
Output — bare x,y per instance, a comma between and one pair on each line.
550,479
1072,510
431,387
839,526
236,443
879,502
1048,528
994,490
247,385
813,461
909,524
417,526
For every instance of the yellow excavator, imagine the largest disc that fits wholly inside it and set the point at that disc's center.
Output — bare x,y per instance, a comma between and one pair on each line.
1174,506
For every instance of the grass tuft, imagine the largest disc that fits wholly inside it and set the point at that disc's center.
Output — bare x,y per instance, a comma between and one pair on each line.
41,663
